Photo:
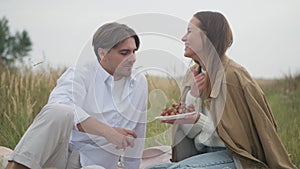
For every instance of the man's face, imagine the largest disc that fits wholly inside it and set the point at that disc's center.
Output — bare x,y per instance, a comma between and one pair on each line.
120,59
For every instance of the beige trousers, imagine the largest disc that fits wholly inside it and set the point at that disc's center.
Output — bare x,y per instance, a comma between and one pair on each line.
46,142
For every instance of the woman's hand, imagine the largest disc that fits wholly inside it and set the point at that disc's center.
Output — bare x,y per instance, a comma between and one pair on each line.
188,119
198,85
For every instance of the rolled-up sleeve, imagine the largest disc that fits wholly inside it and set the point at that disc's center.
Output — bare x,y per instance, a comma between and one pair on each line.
71,90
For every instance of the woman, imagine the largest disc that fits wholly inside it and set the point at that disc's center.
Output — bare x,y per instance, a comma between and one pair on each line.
235,127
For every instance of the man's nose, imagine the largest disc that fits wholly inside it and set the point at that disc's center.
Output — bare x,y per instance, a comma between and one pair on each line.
132,58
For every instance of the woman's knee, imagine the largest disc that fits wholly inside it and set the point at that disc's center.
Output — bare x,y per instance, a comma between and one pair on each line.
209,160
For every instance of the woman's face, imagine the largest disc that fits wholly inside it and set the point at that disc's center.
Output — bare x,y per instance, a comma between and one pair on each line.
193,41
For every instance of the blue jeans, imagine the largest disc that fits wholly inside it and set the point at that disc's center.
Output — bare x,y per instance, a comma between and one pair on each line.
211,160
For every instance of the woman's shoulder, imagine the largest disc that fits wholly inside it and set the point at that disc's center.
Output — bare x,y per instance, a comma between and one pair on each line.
237,74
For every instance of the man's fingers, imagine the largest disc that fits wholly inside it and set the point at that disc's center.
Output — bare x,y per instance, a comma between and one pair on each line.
126,132
132,133
125,144
129,141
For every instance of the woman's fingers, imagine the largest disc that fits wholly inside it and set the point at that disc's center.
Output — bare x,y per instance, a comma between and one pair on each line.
198,85
168,121
200,78
188,119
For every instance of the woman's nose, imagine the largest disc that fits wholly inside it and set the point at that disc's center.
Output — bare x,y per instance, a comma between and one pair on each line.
183,38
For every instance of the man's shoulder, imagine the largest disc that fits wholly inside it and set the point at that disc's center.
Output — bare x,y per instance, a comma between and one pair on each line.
84,69
139,77
138,80
86,66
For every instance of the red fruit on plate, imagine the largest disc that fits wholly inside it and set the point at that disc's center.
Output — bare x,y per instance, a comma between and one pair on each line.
178,108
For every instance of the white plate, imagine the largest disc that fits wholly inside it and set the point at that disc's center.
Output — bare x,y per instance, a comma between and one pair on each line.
174,117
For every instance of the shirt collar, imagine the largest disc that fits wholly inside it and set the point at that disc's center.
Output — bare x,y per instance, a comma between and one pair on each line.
108,78
128,86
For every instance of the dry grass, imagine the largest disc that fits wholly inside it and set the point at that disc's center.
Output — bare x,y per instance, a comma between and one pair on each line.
283,96
22,97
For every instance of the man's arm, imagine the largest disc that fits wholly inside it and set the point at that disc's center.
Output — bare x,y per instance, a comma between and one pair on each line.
113,135
71,90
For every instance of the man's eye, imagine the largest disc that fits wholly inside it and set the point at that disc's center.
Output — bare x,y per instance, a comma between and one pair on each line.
124,53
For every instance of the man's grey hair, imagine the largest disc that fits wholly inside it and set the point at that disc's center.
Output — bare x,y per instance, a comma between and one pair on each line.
110,35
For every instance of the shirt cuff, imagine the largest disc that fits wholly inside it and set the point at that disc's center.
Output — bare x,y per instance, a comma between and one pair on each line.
79,116
190,99
192,130
202,120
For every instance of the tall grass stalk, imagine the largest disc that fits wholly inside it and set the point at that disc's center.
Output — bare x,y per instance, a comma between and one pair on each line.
22,95
283,96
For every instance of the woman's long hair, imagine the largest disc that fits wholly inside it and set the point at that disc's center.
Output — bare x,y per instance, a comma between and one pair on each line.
218,38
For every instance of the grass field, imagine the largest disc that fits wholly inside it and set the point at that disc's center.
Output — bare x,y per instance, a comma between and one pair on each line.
23,94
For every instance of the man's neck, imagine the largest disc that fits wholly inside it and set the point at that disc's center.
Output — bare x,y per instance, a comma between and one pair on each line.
116,77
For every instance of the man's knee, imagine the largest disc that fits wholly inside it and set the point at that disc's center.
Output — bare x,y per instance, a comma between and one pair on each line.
14,165
58,113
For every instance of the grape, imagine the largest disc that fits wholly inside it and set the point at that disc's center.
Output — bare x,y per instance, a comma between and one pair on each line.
177,108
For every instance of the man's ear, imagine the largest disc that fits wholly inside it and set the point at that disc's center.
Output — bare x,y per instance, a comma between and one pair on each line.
101,53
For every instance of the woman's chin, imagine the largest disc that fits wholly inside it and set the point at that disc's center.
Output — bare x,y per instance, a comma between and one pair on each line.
187,55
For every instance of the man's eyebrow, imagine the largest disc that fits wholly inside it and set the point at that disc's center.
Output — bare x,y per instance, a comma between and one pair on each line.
124,50
127,50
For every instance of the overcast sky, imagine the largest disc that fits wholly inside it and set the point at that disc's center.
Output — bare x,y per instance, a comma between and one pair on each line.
266,32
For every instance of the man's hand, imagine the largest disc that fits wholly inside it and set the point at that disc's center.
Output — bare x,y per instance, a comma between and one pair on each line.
121,137
128,137
126,132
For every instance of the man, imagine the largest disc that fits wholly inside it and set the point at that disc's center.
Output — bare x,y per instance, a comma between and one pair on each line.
95,112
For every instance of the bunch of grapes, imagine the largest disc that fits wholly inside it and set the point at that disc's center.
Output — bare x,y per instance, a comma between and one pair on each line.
177,108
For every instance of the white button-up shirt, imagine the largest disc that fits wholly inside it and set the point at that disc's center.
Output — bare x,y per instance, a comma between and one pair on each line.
89,89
